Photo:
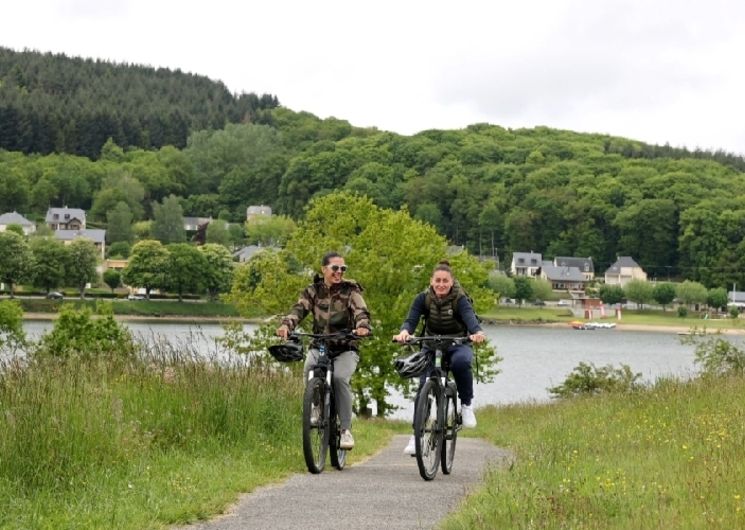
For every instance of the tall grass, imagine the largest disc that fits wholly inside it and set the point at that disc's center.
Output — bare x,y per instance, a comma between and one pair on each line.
135,443
672,456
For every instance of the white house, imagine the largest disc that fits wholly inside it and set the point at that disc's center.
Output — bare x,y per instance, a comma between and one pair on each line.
623,271
526,263
14,218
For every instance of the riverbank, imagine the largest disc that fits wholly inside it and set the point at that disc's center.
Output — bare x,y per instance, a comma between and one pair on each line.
621,326
185,319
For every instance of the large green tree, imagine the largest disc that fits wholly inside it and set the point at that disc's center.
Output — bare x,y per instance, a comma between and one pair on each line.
387,251
147,266
50,258
218,273
185,269
168,221
80,268
16,259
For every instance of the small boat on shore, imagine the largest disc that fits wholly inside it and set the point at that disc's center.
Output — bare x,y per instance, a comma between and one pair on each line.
577,324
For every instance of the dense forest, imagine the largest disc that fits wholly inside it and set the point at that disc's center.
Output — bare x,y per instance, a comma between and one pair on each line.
53,103
494,190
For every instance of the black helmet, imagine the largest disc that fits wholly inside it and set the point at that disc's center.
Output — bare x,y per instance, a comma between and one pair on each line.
413,365
287,352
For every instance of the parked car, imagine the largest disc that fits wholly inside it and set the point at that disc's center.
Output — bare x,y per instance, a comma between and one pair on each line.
563,303
539,302
55,295
134,296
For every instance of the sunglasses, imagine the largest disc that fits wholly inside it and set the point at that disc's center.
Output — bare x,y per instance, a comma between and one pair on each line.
337,268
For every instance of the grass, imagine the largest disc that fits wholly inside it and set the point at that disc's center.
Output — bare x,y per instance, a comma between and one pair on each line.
672,456
109,443
648,317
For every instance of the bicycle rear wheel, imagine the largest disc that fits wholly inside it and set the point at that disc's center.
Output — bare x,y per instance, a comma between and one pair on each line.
450,436
428,430
315,426
337,454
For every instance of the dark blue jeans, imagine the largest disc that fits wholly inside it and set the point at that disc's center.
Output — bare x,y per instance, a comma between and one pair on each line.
460,358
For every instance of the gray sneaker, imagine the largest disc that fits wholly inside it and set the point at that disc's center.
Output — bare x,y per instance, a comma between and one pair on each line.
346,442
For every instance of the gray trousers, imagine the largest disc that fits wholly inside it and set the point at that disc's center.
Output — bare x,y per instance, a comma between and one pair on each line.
344,366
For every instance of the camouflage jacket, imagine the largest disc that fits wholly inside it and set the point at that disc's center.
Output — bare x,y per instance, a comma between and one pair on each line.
336,308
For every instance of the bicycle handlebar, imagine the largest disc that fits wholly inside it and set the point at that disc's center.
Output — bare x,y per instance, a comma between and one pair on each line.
435,338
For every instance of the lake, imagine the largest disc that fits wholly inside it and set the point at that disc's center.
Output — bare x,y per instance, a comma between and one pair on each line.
534,358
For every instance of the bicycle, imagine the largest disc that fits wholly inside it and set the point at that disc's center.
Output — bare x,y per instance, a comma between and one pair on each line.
321,427
436,417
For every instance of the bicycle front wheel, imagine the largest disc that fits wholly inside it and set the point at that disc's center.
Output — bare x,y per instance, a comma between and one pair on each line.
450,435
315,426
428,429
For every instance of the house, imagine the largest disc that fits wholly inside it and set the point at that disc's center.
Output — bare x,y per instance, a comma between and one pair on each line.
584,265
253,211
563,277
736,299
526,263
623,271
96,235
65,218
14,218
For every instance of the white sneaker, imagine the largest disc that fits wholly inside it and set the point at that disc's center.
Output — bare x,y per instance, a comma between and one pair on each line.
410,448
469,418
346,442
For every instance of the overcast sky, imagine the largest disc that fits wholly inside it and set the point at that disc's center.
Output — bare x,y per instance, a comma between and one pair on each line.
651,70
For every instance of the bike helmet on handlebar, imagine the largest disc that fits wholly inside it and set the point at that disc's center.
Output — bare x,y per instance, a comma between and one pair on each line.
412,365
287,352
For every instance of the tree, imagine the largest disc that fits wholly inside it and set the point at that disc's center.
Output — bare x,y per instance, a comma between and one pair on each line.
119,227
112,278
502,284
168,221
217,232
11,326
717,298
690,293
147,266
269,230
218,273
541,289
80,268
611,294
50,257
120,250
185,269
664,294
16,259
523,289
386,249
639,291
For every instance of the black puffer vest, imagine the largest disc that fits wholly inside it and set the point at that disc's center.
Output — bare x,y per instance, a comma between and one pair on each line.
440,314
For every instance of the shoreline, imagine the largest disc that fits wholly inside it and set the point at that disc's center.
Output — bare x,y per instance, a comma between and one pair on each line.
620,326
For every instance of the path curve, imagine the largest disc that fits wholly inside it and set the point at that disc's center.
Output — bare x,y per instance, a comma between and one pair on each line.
384,491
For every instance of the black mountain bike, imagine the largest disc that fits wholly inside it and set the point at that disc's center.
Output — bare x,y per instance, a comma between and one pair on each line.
436,416
321,427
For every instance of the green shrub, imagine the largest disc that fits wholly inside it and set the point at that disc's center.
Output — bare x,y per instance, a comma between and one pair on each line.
587,379
717,356
682,311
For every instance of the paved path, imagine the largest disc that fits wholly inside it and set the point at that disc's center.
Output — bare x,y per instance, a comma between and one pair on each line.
384,491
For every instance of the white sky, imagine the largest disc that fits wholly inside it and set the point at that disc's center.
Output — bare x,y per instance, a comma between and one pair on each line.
651,70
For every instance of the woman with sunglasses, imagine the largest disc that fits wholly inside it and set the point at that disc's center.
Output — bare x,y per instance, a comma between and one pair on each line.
336,304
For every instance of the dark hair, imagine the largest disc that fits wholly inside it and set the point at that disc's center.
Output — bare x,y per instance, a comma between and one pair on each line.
443,265
328,256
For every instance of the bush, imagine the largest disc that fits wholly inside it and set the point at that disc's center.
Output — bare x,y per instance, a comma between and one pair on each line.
587,379
717,356
682,311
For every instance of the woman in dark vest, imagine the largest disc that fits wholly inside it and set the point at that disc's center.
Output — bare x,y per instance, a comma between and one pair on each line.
447,311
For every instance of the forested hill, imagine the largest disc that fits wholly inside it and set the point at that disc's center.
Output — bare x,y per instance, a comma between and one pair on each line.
54,103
